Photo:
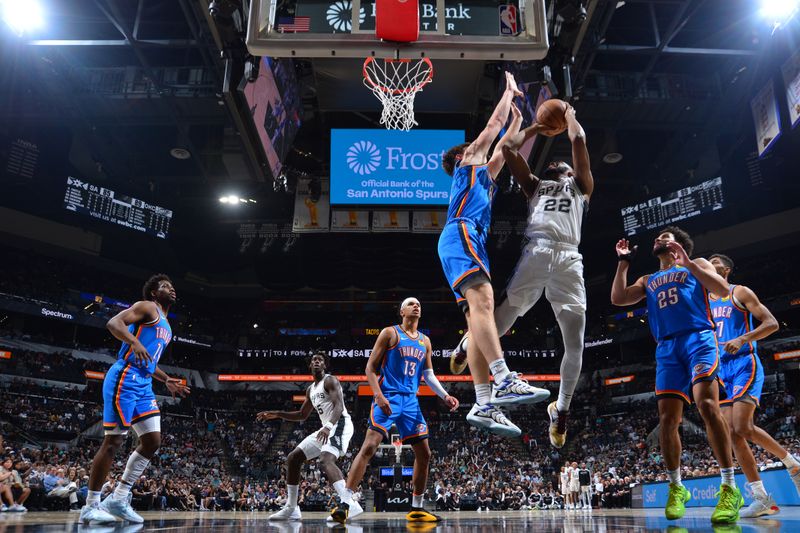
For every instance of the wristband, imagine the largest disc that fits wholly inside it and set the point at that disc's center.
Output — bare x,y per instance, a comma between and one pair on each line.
328,426
626,257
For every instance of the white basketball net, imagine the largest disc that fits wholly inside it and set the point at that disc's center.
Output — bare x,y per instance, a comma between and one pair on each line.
395,82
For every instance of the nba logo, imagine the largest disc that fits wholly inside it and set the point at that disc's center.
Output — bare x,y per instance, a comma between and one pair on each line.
508,19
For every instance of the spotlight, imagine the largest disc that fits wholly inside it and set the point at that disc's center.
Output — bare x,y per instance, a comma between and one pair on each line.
255,326
231,199
779,11
22,15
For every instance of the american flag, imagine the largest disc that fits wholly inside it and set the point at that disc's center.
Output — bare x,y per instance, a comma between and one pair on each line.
294,24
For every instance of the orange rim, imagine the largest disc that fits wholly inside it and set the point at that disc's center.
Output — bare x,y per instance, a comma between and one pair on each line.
385,89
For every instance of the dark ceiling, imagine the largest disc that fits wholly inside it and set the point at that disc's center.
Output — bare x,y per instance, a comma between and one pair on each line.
109,87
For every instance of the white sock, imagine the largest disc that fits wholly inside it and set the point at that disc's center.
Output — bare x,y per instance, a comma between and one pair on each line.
483,393
727,476
348,497
465,344
416,500
499,370
292,495
93,496
572,327
341,489
758,490
790,461
133,470
675,476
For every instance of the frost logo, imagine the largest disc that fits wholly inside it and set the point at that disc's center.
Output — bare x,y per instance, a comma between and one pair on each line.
340,15
363,158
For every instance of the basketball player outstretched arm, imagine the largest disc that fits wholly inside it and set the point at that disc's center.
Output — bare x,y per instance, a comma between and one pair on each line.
580,154
334,390
767,322
433,381
623,294
475,154
294,416
140,312
700,268
497,160
382,343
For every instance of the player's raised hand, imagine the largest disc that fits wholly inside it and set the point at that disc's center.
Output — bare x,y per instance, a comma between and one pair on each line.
452,402
681,257
511,84
175,386
141,356
623,247
383,404
263,416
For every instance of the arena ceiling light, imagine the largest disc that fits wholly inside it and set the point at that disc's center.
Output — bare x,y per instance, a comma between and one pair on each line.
779,12
233,199
22,16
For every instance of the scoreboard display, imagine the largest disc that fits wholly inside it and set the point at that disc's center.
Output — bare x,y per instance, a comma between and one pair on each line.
109,206
679,205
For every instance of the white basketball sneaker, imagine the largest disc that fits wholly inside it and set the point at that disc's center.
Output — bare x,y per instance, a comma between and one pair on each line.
287,513
514,389
493,420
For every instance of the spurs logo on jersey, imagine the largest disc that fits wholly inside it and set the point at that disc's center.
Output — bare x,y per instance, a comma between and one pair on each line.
555,211
322,402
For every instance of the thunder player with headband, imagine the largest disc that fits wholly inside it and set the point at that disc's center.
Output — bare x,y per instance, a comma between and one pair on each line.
462,252
687,357
128,399
550,262
743,377
401,356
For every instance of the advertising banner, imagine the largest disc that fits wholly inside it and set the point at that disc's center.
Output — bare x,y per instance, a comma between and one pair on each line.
388,167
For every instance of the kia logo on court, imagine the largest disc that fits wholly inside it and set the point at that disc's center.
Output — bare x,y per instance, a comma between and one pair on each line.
363,158
340,15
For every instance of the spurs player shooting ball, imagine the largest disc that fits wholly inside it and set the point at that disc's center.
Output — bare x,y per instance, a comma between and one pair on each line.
550,262
743,376
329,443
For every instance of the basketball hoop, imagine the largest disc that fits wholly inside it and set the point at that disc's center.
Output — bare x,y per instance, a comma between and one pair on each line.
396,82
398,449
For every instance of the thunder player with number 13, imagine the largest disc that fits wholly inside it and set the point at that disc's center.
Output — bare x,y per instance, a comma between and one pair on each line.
401,356
687,357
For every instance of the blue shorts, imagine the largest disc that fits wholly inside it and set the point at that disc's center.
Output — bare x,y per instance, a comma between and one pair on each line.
406,415
127,397
462,251
686,359
743,378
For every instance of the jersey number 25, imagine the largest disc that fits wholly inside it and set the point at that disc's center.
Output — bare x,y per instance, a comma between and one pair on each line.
668,297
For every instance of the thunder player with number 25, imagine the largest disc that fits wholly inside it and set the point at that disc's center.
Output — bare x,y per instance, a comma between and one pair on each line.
401,356
687,357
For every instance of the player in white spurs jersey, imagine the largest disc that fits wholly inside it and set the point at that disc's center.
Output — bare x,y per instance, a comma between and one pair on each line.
329,443
550,261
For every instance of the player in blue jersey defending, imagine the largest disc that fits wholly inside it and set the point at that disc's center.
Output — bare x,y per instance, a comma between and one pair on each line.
128,399
687,357
743,376
462,252
400,358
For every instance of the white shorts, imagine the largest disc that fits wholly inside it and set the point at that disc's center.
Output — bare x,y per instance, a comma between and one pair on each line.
574,487
551,268
337,441
564,489
585,488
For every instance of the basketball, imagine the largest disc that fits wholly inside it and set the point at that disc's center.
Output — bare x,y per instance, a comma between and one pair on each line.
552,113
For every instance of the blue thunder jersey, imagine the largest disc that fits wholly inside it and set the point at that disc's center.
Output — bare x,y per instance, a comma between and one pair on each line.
676,303
403,364
471,195
732,321
154,336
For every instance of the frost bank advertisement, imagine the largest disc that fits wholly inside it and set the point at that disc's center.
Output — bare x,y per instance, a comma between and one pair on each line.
384,167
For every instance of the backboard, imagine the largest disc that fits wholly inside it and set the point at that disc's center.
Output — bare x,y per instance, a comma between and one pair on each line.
467,29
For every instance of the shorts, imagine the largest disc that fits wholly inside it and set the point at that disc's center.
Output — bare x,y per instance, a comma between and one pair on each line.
406,415
552,268
585,488
462,252
686,359
337,443
574,487
128,399
564,489
742,377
